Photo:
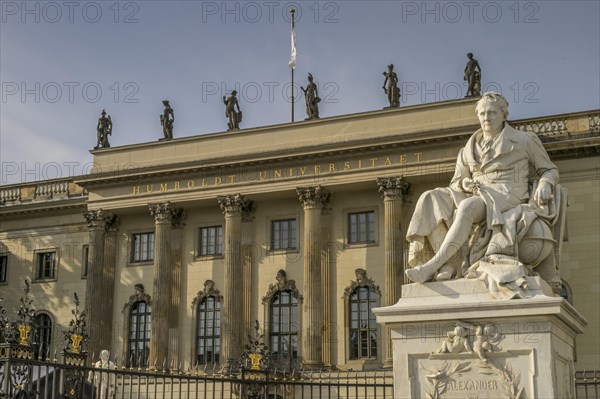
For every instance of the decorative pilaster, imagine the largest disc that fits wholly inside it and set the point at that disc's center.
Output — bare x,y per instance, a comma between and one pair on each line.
100,281
394,191
248,255
177,225
328,251
233,206
161,291
313,201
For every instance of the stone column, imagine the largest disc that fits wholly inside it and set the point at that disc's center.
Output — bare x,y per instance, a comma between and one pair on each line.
233,300
328,250
248,261
161,291
394,191
313,200
97,308
177,226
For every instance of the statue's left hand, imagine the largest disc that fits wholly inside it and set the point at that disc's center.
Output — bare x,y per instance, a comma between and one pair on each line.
543,193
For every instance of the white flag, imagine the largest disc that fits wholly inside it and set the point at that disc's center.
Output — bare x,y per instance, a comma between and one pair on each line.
292,62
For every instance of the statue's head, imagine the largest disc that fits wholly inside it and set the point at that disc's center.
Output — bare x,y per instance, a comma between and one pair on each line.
492,111
209,285
103,112
166,103
361,274
281,277
310,77
139,289
469,55
391,66
233,93
104,355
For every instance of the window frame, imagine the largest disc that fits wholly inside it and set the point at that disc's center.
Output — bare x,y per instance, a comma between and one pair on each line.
295,230
371,300
4,268
146,334
132,247
293,337
37,254
372,241
215,311
48,330
219,245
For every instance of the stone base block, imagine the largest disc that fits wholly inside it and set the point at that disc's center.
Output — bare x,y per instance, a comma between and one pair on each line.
454,340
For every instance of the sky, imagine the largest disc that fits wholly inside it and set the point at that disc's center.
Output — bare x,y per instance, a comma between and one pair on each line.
63,62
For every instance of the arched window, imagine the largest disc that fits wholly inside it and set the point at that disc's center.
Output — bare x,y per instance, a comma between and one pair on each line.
363,326
208,330
139,333
360,297
283,325
43,335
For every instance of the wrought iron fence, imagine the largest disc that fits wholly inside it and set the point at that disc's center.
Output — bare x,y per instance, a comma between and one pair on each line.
587,384
23,377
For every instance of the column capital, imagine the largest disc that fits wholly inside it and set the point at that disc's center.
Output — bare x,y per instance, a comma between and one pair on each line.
314,197
235,205
394,188
97,218
162,211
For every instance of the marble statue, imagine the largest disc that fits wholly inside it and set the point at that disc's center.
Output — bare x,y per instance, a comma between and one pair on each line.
491,223
392,90
104,383
104,129
311,95
473,77
234,117
166,120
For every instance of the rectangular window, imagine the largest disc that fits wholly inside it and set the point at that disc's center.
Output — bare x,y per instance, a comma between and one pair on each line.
84,261
361,227
142,249
283,234
3,269
211,241
46,266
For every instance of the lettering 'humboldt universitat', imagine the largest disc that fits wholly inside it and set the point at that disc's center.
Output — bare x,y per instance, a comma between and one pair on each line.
279,173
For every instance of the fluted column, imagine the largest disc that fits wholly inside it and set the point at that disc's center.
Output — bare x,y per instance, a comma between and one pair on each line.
233,301
327,255
177,226
247,260
95,304
313,200
161,289
394,191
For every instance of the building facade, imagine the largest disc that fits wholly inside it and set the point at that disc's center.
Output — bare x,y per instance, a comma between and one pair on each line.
178,246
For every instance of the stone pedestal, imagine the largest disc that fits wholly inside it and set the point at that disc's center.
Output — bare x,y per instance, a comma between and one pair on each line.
454,340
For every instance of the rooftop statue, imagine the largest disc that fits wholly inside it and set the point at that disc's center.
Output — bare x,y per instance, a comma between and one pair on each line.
103,130
473,77
166,120
311,95
392,90
234,117
492,223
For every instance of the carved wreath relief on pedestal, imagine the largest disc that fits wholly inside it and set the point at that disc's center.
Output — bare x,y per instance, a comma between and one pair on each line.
479,340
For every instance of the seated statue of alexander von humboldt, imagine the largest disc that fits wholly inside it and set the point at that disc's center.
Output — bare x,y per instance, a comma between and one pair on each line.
479,220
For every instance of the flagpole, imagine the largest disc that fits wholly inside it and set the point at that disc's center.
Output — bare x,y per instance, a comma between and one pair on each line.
292,11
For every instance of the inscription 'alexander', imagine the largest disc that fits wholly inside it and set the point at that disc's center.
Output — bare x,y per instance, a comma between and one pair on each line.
320,169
